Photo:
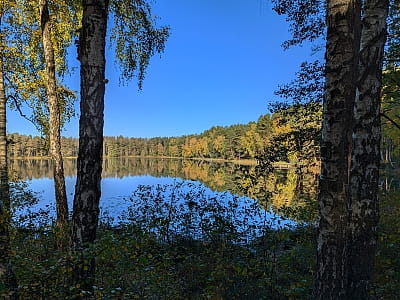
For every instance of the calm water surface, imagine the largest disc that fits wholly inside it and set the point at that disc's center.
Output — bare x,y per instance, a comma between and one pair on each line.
167,178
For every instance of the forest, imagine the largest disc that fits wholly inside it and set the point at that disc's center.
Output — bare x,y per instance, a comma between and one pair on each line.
236,142
337,121
244,141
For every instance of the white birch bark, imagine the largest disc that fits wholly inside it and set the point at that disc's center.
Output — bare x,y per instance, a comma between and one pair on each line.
343,36
55,117
363,204
91,53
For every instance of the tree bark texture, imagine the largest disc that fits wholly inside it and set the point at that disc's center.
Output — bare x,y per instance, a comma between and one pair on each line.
55,117
91,53
343,34
350,153
8,283
364,174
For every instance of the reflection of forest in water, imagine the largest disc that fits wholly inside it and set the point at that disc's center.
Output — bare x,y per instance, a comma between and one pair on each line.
291,191
389,182
283,188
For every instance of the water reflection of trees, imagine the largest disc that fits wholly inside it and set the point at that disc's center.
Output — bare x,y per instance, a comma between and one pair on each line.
23,169
389,183
281,189
290,192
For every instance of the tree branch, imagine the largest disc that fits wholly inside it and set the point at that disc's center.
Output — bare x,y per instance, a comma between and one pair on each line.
390,120
19,109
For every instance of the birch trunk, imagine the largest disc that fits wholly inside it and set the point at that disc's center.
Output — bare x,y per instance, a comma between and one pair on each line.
365,161
8,283
91,53
55,116
350,151
343,36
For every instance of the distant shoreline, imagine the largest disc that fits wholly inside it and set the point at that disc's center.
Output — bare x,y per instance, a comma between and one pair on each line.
246,162
238,161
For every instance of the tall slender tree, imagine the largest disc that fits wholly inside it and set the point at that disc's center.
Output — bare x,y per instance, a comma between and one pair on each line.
343,38
7,278
21,81
54,116
365,159
136,41
91,53
39,42
350,150
348,189
41,36
8,283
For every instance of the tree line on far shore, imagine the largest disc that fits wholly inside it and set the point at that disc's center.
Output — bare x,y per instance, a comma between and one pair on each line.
240,141
290,132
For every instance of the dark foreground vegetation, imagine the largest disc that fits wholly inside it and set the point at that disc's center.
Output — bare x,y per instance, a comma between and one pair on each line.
201,252
133,264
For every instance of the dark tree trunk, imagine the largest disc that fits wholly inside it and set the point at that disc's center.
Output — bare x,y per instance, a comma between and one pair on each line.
343,21
350,150
364,173
91,53
8,283
55,116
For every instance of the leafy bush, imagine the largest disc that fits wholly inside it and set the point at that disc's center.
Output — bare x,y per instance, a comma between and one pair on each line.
177,242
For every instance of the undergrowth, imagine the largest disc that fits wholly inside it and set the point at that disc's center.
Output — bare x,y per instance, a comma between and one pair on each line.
189,249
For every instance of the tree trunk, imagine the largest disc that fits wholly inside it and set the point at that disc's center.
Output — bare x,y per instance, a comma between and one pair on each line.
91,53
8,283
343,36
350,150
365,161
55,116
389,154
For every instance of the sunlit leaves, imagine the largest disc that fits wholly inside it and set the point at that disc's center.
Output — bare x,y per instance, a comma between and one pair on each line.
24,61
251,141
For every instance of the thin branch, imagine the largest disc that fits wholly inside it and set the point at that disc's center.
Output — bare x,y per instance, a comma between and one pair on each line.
394,35
390,120
19,109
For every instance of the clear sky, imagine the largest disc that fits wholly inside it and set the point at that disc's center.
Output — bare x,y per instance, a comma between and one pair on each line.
221,65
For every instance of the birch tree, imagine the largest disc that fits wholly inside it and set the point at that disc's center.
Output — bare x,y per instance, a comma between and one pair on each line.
7,278
91,53
8,283
350,154
54,115
137,40
41,37
350,149
343,40
365,159
22,81
56,35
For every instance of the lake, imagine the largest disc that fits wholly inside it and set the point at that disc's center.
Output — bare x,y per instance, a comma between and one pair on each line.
131,188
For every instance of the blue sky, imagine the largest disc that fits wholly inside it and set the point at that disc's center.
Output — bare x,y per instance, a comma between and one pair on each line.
221,65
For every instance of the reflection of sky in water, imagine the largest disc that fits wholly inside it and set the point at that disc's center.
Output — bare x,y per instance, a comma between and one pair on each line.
116,194
113,190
